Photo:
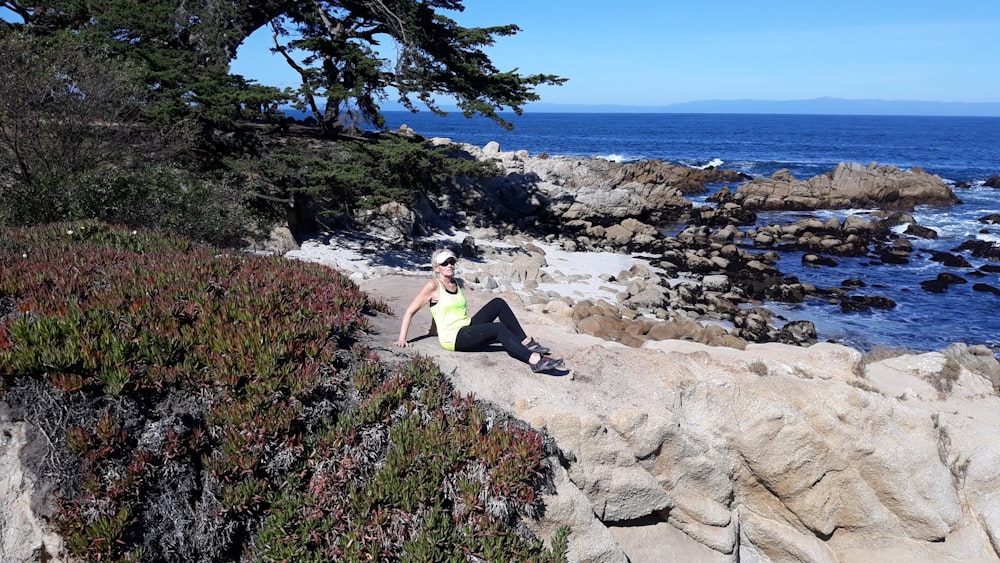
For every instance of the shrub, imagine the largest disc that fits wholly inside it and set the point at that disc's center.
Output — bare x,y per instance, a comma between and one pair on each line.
341,177
206,405
73,146
759,367
66,108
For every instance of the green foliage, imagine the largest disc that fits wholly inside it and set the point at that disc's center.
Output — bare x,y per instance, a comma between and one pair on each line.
65,111
348,175
336,47
304,446
72,148
344,64
125,112
458,486
182,52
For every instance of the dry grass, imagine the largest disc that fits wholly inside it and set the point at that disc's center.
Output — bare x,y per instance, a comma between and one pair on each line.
759,367
944,379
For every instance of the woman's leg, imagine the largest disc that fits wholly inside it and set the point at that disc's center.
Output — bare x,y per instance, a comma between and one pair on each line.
475,336
498,309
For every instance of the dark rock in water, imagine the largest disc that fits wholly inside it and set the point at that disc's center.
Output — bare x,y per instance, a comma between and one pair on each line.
987,288
894,256
787,293
941,282
721,216
950,260
992,218
902,244
862,303
993,182
853,282
922,232
980,249
798,332
990,268
934,286
818,260
950,278
897,218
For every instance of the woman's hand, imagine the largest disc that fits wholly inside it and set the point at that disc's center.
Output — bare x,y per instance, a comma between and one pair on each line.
402,343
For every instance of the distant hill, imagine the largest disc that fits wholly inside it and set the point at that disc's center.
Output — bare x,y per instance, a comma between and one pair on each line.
816,106
834,106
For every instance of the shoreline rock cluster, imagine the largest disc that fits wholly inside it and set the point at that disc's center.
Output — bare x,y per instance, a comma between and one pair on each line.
707,279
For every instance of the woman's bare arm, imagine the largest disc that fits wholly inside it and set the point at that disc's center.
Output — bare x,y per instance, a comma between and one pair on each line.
423,297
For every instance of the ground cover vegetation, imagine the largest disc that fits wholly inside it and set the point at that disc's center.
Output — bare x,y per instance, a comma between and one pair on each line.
126,112
192,404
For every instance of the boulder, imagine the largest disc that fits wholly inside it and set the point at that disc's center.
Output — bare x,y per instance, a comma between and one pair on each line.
798,332
717,282
606,470
941,282
695,450
980,249
986,288
920,232
24,535
857,224
818,260
950,260
863,303
849,185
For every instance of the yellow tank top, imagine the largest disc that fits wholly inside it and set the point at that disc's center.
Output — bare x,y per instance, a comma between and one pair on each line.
450,314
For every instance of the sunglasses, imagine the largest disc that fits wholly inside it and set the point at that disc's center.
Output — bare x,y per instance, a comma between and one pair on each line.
448,262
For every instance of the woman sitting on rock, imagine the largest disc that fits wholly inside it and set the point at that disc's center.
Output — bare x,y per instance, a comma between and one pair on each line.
457,331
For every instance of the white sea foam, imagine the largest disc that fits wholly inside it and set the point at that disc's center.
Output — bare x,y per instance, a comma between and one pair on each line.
989,237
714,163
618,158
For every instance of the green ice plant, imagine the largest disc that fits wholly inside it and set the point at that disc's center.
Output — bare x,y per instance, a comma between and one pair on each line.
246,373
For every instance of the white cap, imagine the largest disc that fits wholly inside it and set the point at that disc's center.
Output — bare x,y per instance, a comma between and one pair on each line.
441,255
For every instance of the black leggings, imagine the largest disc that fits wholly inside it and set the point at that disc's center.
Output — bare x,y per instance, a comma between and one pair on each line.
484,331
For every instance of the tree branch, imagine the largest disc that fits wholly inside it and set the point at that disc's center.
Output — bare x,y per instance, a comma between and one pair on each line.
306,87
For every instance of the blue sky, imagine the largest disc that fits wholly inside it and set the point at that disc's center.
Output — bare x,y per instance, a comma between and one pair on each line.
660,52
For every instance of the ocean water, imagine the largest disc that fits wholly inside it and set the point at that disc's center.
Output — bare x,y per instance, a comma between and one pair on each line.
963,151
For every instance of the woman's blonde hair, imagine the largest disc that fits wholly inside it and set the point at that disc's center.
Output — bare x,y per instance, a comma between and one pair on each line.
440,255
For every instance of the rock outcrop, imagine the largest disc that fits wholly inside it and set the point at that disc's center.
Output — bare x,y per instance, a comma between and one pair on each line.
849,185
24,535
772,453
593,190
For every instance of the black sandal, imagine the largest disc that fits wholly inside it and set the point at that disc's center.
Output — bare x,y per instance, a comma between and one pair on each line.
537,348
546,364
